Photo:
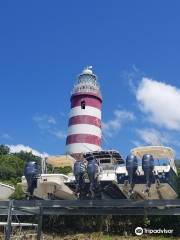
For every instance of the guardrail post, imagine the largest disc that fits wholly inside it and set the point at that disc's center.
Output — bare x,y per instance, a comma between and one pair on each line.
39,232
9,219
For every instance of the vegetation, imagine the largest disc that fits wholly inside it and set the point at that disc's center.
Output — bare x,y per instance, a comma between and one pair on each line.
4,150
28,156
62,170
177,162
18,194
11,168
12,165
101,236
108,225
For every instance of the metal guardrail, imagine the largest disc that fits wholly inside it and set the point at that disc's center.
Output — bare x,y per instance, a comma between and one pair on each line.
85,207
92,207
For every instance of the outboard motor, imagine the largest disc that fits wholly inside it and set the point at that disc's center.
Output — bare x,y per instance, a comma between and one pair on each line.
31,172
148,167
79,173
93,170
131,167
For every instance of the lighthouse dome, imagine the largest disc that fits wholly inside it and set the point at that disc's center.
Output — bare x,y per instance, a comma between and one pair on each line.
87,71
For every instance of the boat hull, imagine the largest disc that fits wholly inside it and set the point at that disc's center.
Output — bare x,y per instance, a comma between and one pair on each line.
163,191
163,186
50,186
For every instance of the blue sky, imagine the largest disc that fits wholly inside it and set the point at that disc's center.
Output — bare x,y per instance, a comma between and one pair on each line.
134,48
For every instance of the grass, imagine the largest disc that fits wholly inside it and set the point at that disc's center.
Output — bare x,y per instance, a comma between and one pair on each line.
101,236
92,236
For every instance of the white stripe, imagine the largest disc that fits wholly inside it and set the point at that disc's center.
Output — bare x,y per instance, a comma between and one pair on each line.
84,129
81,148
91,111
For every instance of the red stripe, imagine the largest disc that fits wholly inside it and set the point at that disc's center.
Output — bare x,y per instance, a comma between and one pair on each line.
83,138
91,101
85,119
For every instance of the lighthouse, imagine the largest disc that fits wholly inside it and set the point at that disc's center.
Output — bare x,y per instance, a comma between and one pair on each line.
84,126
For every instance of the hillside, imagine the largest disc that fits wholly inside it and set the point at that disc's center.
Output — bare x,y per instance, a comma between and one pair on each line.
60,161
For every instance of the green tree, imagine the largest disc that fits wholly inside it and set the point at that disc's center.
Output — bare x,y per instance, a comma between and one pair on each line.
4,150
11,168
27,156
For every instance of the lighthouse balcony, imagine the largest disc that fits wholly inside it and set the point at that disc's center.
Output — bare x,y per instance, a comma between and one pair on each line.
86,89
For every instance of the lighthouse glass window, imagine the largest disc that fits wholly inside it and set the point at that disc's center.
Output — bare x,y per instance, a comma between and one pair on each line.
87,79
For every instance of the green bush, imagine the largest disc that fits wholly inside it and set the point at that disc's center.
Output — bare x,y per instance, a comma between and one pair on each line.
11,168
18,194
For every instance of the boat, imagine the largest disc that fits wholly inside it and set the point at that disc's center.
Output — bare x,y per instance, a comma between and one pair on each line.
149,172
44,185
95,176
50,186
161,180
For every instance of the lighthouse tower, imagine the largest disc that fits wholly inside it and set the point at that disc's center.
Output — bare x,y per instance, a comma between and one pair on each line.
84,127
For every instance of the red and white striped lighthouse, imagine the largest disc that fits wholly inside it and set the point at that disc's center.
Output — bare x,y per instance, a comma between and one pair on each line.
84,128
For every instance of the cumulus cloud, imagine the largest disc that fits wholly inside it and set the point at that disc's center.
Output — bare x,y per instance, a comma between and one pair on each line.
21,147
44,121
152,136
133,76
48,124
160,102
112,127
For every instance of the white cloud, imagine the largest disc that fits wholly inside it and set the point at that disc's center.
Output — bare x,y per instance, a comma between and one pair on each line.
112,127
133,76
59,134
44,121
160,102
21,147
51,120
6,136
48,124
151,136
